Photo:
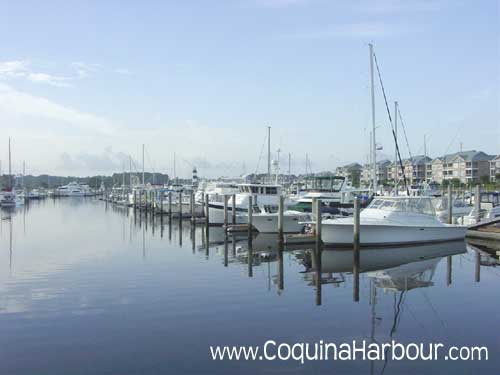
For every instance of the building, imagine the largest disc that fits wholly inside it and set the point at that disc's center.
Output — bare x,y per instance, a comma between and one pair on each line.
417,169
350,171
466,166
383,168
494,168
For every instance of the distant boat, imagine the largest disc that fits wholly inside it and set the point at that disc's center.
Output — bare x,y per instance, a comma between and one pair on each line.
74,189
8,198
391,221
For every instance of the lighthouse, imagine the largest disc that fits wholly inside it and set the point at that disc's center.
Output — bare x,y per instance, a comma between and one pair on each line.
194,181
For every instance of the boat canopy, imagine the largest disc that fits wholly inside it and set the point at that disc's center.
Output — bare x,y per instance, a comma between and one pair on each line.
260,189
421,205
324,183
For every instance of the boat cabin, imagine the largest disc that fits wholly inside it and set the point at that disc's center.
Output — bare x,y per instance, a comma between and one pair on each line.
324,183
419,205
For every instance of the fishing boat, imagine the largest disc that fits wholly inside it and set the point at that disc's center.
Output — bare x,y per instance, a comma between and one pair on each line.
393,221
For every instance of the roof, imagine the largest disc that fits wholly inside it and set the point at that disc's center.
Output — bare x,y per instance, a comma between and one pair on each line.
352,165
471,155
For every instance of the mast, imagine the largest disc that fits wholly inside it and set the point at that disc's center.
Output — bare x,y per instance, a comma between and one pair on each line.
143,164
425,158
396,177
24,172
130,170
10,169
175,175
374,143
269,152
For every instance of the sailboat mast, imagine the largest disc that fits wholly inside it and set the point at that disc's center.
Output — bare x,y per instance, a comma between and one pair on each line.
143,164
130,170
374,143
396,176
269,152
10,169
175,173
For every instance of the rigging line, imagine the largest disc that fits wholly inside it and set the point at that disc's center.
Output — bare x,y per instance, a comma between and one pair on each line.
260,156
397,308
392,127
404,132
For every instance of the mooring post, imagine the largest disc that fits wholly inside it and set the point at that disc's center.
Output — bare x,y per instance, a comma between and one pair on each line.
180,204
250,217
170,204
207,216
281,274
478,266
233,207
135,200
192,206
226,250
318,220
355,270
450,204
161,203
448,270
225,213
314,216
280,218
477,203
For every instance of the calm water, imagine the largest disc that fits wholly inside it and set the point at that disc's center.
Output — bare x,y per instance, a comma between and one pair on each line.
86,289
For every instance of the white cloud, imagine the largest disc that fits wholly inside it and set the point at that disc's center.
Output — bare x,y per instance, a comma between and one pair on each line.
49,79
84,69
18,103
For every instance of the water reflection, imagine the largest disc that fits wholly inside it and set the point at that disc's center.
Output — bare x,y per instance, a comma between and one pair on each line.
111,263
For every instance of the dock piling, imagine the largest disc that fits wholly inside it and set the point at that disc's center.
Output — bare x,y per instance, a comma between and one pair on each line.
225,213
250,215
450,204
280,218
356,251
477,203
170,204
233,208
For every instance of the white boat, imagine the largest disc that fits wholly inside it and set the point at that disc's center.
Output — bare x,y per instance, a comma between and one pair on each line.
489,209
293,221
459,208
74,189
391,221
263,195
8,199
335,193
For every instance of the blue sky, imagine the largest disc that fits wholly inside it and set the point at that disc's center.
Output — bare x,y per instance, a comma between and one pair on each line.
84,83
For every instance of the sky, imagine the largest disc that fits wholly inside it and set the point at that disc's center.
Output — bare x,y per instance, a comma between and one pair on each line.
83,84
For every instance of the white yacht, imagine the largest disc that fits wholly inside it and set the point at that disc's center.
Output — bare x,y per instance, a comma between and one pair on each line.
263,195
73,189
393,220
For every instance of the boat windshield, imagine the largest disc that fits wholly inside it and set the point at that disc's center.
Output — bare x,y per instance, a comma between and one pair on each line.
324,184
419,205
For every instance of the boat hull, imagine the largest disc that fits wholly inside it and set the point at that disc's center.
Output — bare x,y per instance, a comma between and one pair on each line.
382,234
269,223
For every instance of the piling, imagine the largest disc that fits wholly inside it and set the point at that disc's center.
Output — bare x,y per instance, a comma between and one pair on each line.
280,218
233,207
191,201
250,215
448,270
161,205
170,204
356,251
450,205
317,210
180,204
225,213
226,256
207,216
281,282
135,200
250,257
477,203
478,266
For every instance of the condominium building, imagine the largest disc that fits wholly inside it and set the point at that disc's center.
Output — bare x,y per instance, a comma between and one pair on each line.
466,166
494,168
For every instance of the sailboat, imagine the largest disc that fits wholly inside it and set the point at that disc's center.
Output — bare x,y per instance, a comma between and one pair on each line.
391,220
8,195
